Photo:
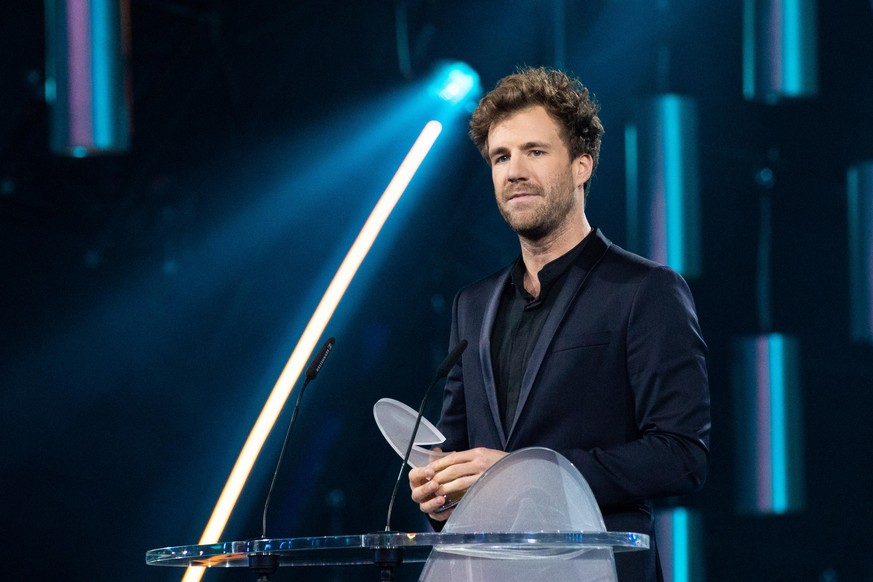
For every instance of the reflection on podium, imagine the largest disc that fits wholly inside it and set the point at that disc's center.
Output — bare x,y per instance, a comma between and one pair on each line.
530,515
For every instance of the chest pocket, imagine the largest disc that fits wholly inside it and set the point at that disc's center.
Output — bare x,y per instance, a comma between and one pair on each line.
582,340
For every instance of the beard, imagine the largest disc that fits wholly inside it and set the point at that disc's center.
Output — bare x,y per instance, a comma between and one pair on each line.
555,204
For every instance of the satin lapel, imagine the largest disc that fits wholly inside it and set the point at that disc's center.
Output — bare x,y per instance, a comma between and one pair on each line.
593,252
485,354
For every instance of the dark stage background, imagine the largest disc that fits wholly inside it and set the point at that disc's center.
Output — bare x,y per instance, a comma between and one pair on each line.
149,300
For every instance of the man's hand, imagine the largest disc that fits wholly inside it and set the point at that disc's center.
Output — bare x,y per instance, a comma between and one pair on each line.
447,478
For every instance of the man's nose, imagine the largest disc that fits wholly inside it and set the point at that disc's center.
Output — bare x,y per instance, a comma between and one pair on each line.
517,169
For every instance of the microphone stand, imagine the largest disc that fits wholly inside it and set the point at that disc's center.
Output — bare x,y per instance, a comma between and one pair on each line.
387,559
266,564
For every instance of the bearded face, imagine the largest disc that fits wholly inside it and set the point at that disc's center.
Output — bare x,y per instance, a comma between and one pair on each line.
535,211
537,185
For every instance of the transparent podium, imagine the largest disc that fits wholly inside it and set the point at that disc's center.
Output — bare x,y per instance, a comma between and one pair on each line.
530,515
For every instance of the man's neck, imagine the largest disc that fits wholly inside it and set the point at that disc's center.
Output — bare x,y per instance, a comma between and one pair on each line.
538,253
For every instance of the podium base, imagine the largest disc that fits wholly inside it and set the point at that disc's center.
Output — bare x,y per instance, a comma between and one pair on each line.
387,559
264,565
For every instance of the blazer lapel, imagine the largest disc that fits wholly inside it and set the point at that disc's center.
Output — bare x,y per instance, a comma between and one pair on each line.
485,354
591,255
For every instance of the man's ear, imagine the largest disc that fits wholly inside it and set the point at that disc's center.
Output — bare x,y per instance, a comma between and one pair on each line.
583,167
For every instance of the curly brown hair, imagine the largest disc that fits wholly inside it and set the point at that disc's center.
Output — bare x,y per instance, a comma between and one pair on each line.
564,97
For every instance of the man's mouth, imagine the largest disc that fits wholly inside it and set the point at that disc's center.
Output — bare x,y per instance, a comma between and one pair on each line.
520,195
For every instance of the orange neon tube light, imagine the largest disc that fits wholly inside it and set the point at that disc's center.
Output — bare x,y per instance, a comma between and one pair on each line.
308,340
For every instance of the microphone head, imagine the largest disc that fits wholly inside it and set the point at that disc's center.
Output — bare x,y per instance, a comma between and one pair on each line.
451,359
318,362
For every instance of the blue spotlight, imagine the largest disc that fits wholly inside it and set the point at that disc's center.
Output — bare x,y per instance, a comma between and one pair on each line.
455,82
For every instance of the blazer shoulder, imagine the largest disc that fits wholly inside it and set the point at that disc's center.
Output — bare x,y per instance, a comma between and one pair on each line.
636,267
484,286
612,261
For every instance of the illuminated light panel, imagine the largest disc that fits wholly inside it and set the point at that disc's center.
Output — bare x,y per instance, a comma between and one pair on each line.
770,436
86,45
662,181
308,340
631,174
792,37
679,534
675,189
79,71
750,56
860,220
103,73
779,50
778,428
680,545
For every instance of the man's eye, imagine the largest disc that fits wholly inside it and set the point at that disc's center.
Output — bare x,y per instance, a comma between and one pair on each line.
500,159
537,153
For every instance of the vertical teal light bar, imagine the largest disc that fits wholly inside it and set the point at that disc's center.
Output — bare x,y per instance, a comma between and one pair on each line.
680,545
631,158
780,49
679,535
792,47
768,418
675,158
859,195
749,53
778,427
103,40
86,57
662,178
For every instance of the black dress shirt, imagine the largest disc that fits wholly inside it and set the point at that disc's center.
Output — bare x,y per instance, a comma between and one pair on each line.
520,319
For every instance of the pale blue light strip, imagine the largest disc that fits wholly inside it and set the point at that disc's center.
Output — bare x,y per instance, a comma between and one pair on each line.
681,549
674,182
792,47
631,161
859,194
102,102
749,38
778,436
856,294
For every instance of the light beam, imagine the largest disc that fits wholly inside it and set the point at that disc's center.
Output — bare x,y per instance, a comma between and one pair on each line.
308,340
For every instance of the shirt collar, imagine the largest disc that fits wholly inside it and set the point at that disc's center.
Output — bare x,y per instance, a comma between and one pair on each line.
550,272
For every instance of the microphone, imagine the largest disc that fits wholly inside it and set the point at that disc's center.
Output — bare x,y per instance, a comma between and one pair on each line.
315,367
311,372
442,372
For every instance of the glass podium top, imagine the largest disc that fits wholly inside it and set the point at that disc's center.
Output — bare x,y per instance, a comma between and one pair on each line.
416,547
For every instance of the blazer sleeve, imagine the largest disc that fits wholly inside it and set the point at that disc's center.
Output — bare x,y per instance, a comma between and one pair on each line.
666,373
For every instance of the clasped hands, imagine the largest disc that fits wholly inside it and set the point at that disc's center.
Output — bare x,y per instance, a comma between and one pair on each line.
445,479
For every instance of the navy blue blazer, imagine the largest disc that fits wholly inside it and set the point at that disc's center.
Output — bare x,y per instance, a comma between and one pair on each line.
616,383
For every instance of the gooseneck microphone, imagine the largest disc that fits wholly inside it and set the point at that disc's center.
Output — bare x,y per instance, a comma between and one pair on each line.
311,372
441,373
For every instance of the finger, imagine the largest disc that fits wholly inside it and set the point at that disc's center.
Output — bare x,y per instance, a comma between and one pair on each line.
453,488
419,476
431,505
468,463
443,463
457,471
425,492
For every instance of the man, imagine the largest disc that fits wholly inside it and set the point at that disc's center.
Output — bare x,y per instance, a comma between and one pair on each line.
579,346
